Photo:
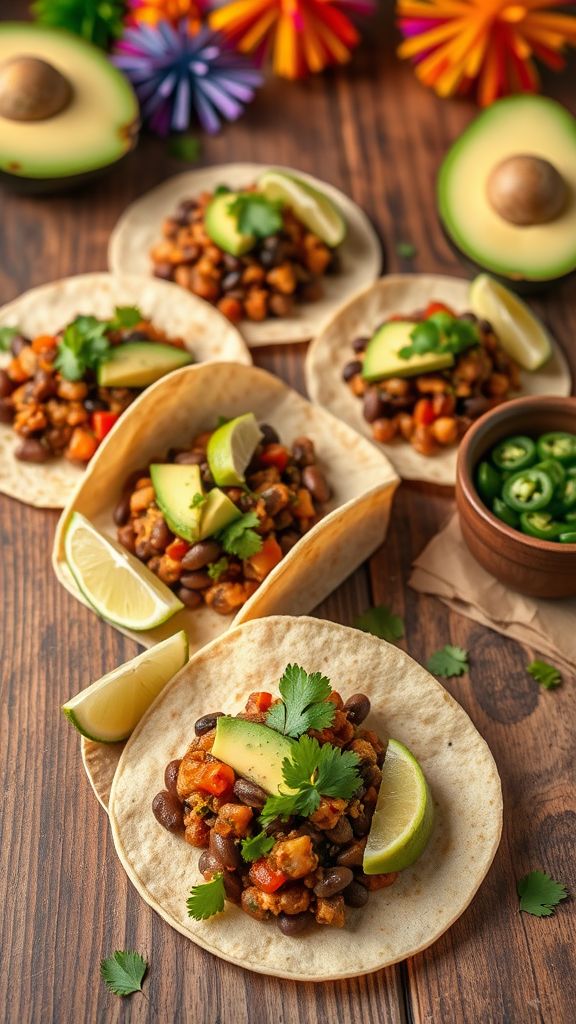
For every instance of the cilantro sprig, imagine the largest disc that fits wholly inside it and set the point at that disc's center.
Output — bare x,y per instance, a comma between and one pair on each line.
545,674
448,661
303,705
310,772
441,332
6,336
256,215
382,622
539,894
84,344
256,847
240,538
206,899
123,972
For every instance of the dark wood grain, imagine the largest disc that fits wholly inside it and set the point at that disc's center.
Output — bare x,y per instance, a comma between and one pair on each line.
65,900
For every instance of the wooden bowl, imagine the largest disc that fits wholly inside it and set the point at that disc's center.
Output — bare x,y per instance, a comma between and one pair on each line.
539,568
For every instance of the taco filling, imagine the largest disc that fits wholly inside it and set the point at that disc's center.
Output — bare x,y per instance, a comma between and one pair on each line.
425,378
62,393
214,519
255,253
282,801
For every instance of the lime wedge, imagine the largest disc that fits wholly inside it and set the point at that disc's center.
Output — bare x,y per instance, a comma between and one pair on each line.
230,449
118,586
521,334
108,710
312,207
404,814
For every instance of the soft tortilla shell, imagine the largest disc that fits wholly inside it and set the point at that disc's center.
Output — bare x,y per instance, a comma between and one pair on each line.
175,409
140,227
406,702
402,293
207,334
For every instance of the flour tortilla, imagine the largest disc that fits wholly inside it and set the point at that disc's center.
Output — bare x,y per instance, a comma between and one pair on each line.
140,227
408,704
402,293
207,334
175,409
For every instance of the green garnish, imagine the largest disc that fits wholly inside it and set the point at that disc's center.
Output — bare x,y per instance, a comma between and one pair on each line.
240,538
539,893
125,316
440,333
207,899
198,500
6,336
255,215
123,972
184,147
545,674
256,847
448,661
84,343
312,771
382,622
216,569
303,705
405,250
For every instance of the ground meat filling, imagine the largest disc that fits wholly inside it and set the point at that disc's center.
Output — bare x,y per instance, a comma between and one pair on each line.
285,488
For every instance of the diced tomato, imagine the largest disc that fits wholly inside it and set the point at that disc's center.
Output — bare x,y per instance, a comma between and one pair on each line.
437,307
424,412
82,445
258,702
303,507
264,560
265,877
275,455
177,549
44,342
212,777
102,423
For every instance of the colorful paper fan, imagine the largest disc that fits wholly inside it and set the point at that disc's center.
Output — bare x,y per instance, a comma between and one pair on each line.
152,11
484,46
177,73
303,35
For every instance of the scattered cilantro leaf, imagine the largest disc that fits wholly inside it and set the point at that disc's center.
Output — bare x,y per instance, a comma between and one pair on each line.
281,806
255,215
123,972
198,500
184,147
6,336
239,538
256,847
311,771
216,569
448,661
125,316
207,899
545,674
82,347
405,250
382,622
440,333
539,893
303,705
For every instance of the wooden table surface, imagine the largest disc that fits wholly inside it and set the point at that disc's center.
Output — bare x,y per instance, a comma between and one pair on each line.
66,902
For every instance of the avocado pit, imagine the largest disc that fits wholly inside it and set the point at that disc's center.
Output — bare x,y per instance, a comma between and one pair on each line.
526,190
32,89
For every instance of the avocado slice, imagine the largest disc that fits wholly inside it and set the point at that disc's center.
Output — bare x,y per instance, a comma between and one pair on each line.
85,125
382,360
178,488
498,191
222,228
217,513
253,751
136,364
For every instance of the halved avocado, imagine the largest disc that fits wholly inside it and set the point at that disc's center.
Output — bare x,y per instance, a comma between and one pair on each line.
222,228
66,112
382,360
137,364
507,191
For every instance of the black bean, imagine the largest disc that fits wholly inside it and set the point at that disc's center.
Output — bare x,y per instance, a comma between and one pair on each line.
6,385
196,580
288,540
160,536
171,776
191,598
269,435
44,385
249,793
32,450
231,280
274,499
361,824
357,707
164,271
470,317
359,344
486,327
206,723
226,850
351,369
192,458
137,336
208,863
474,406
201,554
167,810
94,405
303,451
334,881
293,924
122,509
143,549
355,895
18,343
351,856
373,405
207,478
341,833
6,410
307,829
232,886
232,262
313,478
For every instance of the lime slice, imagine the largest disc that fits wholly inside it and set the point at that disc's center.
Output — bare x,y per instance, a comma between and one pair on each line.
108,710
312,207
230,449
521,334
404,814
118,586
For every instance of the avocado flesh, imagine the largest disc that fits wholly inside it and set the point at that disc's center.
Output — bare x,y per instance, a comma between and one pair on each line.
176,486
253,751
222,228
381,359
217,513
521,124
96,129
137,364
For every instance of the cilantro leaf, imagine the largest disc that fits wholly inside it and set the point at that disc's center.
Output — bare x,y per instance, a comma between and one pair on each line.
382,622
184,147
198,500
545,674
255,215
6,336
82,347
125,316
539,893
281,806
311,771
440,332
448,661
123,972
239,538
303,705
207,899
256,847
216,569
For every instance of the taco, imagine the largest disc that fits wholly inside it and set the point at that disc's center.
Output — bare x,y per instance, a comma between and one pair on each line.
276,250
408,365
309,503
193,801
77,353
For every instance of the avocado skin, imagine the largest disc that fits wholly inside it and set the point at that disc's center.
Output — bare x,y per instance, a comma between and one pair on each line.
24,185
